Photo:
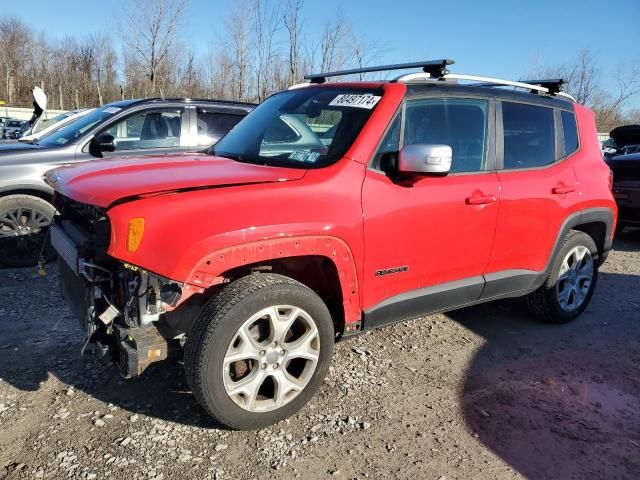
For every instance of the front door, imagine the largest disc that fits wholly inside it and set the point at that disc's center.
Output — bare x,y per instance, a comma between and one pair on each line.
428,239
151,131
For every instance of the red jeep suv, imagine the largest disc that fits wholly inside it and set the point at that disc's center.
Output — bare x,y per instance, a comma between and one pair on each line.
331,209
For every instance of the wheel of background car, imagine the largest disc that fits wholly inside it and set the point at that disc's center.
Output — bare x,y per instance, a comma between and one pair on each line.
24,223
259,350
568,289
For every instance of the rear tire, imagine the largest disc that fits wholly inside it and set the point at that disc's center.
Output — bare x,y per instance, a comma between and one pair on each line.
24,225
569,287
259,350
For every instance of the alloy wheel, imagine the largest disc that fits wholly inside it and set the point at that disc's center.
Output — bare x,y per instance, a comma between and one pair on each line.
271,358
575,278
22,231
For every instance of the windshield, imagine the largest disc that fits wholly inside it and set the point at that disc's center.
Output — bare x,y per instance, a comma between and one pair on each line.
14,124
48,122
305,128
76,129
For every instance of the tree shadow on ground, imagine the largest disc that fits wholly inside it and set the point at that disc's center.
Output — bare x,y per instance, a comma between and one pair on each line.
559,401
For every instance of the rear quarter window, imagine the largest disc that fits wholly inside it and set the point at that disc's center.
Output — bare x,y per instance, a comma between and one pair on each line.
570,130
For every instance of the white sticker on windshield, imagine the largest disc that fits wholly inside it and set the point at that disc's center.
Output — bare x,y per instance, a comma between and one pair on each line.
112,110
367,101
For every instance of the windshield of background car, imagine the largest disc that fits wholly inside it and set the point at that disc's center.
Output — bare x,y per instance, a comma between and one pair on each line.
76,129
306,128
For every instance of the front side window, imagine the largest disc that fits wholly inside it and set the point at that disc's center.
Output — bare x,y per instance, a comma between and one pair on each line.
213,125
570,132
459,123
306,128
148,129
529,136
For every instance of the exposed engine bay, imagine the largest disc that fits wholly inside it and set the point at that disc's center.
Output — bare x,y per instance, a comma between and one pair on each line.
122,308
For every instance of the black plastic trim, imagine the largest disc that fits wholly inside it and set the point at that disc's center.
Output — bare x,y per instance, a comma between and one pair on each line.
445,296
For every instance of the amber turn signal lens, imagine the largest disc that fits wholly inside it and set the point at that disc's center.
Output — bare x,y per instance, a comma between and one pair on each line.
134,236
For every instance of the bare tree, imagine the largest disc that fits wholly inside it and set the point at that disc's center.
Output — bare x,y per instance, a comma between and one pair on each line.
293,24
332,44
583,83
149,29
265,20
238,43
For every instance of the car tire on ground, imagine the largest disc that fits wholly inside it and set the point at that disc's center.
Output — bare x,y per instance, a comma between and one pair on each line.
24,225
259,350
568,289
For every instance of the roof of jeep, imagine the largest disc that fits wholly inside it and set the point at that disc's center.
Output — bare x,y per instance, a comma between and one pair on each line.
431,88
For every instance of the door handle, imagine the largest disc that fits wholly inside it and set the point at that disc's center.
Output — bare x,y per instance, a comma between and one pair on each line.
563,190
480,199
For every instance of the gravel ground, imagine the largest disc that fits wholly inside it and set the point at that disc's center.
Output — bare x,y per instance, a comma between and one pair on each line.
485,392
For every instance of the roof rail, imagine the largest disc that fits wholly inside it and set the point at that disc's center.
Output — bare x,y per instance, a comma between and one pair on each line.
550,86
436,68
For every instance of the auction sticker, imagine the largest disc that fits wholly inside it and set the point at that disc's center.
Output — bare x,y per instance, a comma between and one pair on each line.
367,101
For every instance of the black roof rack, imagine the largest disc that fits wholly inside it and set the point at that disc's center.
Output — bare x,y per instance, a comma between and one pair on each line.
555,85
436,68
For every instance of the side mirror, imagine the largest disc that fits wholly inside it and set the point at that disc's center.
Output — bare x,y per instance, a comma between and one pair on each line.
103,142
427,159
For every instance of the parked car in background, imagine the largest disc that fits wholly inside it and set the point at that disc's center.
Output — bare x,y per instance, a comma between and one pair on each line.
331,209
626,188
625,165
624,139
44,127
14,129
3,120
125,128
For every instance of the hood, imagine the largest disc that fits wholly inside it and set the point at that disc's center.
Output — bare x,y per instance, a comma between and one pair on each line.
103,182
626,135
13,147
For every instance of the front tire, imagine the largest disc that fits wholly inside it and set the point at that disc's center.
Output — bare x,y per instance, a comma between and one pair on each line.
24,224
259,350
569,287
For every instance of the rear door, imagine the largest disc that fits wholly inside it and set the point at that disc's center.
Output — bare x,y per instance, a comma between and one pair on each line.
210,125
539,190
428,238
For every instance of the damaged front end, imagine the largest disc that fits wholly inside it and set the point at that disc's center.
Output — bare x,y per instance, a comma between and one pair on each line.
120,306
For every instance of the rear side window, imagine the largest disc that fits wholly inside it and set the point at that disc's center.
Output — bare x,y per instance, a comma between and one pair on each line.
570,132
214,125
459,123
529,136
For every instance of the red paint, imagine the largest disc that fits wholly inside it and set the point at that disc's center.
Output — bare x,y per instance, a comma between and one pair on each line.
442,228
102,182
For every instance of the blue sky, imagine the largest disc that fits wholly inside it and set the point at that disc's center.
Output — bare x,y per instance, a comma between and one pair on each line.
497,38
